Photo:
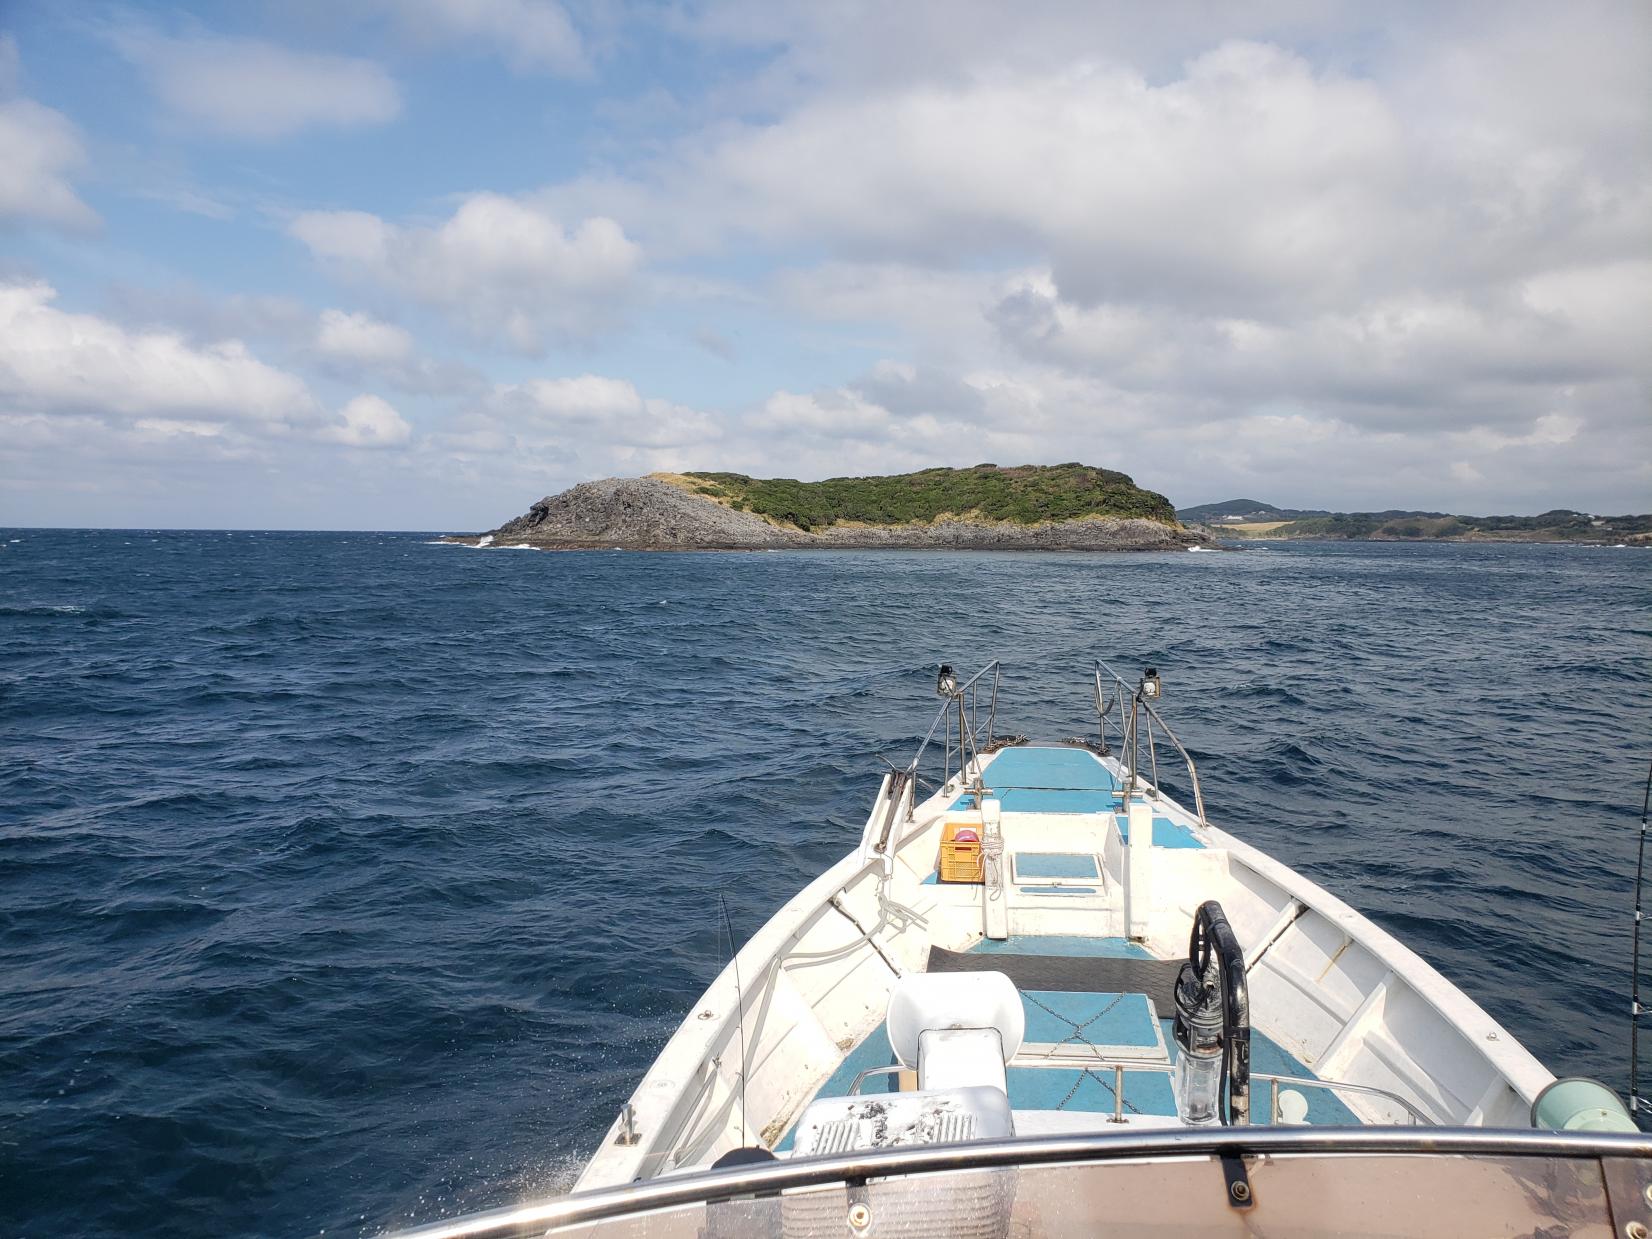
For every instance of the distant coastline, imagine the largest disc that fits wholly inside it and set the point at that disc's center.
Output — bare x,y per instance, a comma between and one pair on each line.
1035,507
1251,519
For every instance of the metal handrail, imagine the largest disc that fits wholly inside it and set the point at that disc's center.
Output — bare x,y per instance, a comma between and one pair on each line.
1134,1144
1131,736
1336,1086
962,709
1118,1066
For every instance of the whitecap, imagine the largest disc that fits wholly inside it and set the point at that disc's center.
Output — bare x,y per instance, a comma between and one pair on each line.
485,540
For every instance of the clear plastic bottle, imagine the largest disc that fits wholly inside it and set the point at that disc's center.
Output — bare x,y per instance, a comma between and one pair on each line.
1199,1086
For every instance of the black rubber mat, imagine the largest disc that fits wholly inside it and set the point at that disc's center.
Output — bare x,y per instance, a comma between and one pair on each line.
1074,974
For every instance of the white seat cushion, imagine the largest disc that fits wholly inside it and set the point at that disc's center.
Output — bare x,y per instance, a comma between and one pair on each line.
961,1058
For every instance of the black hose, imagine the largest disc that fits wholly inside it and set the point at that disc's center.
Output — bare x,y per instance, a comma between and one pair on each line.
1213,935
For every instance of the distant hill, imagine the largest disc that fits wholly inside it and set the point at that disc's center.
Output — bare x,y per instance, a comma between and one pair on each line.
1234,510
1249,518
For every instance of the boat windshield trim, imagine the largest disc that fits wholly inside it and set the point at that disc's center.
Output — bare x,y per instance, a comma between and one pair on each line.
768,1177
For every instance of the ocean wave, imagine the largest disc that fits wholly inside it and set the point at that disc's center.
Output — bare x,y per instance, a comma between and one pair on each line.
58,610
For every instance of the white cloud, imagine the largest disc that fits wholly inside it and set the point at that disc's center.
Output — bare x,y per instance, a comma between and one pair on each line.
529,34
144,388
39,150
245,88
1398,361
368,421
167,426
58,362
362,339
594,409
547,433
1250,182
356,345
344,236
501,268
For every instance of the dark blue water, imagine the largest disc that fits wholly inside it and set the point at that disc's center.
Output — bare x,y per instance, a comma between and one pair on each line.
347,880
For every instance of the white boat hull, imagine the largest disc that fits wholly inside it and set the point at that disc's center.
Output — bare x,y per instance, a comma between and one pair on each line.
1328,988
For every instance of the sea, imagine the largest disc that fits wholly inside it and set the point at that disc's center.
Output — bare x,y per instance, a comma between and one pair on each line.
350,880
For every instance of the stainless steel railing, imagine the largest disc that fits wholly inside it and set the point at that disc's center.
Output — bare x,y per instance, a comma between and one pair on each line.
655,1196
1131,704
1118,1067
959,722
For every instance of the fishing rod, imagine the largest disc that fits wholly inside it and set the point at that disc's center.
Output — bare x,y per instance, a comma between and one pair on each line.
740,1009
1636,1105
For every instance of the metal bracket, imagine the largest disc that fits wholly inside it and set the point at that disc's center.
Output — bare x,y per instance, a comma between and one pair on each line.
627,1134
1238,1183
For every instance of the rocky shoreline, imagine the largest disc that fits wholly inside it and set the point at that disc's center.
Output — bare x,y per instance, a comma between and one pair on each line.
651,514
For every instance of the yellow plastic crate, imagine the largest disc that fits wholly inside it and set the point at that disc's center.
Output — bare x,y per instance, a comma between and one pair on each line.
960,858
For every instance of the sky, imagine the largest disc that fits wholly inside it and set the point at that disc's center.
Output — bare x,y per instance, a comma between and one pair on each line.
412,264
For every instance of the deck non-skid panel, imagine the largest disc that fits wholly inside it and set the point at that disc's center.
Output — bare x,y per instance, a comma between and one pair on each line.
1088,1022
1047,780
1154,978
1034,865
1166,833
1090,1092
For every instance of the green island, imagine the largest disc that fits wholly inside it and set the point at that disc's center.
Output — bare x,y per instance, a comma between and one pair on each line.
1251,518
1020,494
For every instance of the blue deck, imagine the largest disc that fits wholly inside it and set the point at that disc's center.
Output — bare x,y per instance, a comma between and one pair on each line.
1063,780
1145,1092
1035,780
1089,1092
1166,833
1094,1019
1099,1019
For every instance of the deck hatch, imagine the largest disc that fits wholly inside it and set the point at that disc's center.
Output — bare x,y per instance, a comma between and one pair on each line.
1043,866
